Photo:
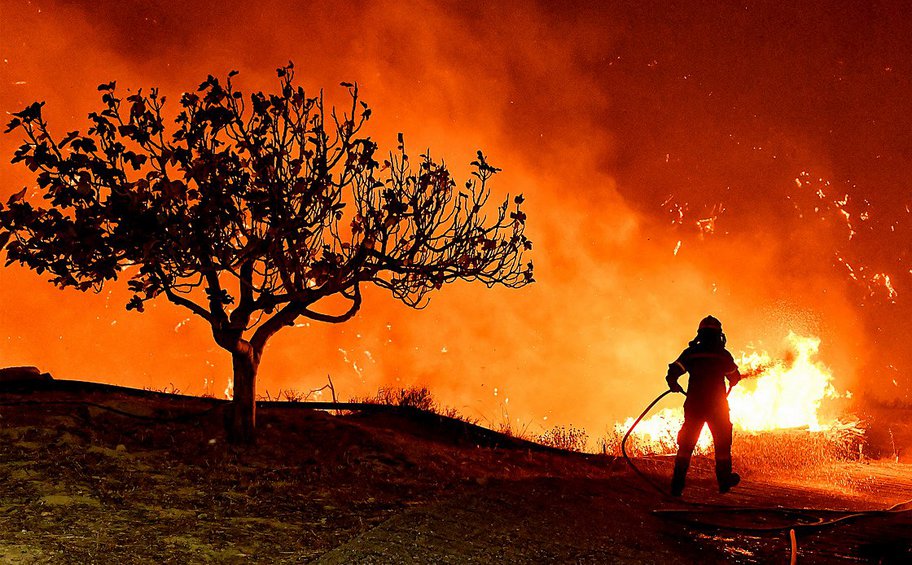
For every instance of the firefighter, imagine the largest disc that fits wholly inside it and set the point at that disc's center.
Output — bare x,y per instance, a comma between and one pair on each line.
708,364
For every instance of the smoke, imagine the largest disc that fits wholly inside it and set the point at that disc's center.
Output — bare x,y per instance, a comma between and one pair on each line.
658,149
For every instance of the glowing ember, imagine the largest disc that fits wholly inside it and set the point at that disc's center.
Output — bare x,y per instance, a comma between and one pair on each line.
775,394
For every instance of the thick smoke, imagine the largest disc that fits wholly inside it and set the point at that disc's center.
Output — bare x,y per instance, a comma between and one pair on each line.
622,127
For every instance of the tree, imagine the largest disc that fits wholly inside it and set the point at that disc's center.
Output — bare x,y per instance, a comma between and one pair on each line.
254,212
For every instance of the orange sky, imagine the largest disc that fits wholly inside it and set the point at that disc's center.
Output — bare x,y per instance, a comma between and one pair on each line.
608,120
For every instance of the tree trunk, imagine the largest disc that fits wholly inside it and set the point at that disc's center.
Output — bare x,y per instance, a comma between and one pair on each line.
241,421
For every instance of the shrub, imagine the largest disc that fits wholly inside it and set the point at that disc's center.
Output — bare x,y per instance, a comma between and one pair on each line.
418,397
569,438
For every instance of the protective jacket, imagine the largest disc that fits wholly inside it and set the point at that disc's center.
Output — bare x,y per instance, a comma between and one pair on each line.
708,367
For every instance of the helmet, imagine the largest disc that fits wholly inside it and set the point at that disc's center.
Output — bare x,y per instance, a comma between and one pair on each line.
710,323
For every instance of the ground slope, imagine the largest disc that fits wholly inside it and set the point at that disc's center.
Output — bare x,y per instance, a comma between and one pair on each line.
93,474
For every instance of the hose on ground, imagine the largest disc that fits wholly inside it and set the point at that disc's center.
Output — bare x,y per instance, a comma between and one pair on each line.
636,470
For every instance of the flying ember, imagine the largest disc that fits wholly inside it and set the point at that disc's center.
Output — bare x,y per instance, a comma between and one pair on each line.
777,393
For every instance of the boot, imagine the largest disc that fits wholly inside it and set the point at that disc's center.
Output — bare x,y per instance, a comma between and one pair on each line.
680,472
725,477
733,480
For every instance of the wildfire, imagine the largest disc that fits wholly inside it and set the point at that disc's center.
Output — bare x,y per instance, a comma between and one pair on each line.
776,394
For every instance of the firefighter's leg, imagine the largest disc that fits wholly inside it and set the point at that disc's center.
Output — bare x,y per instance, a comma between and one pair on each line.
721,428
687,440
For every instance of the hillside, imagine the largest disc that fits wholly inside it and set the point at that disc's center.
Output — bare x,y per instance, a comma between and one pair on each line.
100,474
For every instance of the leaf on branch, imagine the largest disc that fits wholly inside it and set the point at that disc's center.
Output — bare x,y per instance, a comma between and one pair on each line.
13,124
219,296
518,216
136,161
189,99
135,303
357,224
4,238
85,144
70,136
210,81
17,197
31,112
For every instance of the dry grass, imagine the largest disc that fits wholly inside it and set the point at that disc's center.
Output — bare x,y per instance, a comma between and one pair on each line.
510,427
418,397
798,449
286,395
637,446
294,395
569,438
167,389
779,450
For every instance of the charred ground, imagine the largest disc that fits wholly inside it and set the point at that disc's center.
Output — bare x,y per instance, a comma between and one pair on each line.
99,474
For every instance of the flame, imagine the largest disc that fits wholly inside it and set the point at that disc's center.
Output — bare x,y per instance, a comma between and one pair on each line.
784,395
775,394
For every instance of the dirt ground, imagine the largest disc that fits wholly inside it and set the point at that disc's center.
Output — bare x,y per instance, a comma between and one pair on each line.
117,476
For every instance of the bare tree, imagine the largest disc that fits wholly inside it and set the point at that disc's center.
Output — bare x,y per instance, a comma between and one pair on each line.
255,211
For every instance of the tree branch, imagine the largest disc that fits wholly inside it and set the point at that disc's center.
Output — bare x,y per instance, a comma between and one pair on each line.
187,303
280,319
338,318
240,317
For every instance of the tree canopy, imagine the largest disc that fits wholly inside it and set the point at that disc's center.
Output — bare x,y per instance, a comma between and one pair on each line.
253,210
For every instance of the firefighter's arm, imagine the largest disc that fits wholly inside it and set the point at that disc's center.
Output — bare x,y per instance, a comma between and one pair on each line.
733,376
675,370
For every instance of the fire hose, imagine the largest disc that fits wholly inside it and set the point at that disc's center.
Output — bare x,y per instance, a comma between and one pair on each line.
800,518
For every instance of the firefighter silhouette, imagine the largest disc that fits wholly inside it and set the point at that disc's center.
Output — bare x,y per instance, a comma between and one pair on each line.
708,364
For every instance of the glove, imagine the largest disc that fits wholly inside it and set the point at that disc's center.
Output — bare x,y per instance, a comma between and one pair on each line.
734,379
675,387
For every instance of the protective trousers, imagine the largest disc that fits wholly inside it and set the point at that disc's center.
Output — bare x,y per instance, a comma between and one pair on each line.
695,415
